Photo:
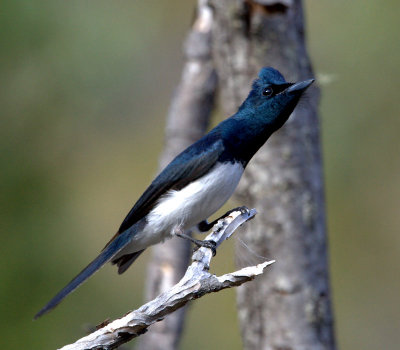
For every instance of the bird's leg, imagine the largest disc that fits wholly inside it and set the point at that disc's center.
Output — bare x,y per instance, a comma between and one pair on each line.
199,243
205,226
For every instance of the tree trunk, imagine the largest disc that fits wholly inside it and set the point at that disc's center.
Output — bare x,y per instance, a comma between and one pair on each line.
288,308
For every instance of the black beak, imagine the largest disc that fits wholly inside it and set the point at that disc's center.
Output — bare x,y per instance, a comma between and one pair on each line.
300,87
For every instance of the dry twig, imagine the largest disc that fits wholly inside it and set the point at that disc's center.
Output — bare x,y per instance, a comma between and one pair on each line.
196,282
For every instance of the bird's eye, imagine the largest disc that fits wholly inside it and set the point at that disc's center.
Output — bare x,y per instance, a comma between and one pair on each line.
268,91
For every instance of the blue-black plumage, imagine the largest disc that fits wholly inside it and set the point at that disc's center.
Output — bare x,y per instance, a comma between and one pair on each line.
200,179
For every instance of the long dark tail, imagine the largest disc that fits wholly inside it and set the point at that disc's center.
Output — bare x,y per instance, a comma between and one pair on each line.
113,248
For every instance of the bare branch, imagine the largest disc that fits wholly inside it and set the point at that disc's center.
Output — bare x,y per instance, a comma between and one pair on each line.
196,282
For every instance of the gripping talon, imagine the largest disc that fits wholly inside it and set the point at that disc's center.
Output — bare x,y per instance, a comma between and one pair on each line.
207,244
205,226
243,210
211,245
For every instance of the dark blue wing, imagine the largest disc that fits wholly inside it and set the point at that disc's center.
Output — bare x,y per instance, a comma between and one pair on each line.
188,166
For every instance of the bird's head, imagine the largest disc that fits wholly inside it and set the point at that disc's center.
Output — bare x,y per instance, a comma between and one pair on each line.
272,99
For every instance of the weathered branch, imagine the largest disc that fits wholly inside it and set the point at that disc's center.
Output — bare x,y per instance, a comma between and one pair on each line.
196,282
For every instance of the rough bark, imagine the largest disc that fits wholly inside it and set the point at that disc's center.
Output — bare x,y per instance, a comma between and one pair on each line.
187,121
290,308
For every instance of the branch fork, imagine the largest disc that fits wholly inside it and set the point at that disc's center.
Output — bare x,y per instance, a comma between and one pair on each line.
196,282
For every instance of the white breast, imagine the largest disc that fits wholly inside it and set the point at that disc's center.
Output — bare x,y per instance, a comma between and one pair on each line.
190,205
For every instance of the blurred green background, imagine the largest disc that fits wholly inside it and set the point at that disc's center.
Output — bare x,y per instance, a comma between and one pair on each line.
84,91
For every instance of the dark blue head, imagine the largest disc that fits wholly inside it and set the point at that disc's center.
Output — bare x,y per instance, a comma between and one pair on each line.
272,99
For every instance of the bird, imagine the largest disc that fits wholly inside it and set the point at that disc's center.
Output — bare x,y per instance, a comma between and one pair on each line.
198,181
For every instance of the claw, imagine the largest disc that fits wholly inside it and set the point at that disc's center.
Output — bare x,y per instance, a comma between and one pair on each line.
205,226
210,245
243,210
207,244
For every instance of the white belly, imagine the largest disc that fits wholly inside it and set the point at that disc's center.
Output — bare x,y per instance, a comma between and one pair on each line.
189,206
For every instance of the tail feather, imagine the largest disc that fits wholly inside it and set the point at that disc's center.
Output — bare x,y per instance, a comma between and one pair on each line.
125,261
108,253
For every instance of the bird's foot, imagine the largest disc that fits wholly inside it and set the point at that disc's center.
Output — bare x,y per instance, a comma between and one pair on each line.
242,209
199,243
207,244
205,226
